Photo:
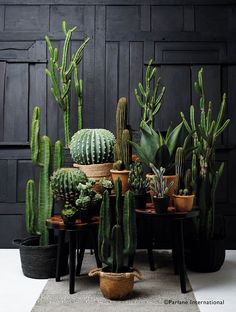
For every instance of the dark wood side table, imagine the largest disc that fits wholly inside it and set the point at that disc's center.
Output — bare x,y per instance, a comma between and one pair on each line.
56,223
177,219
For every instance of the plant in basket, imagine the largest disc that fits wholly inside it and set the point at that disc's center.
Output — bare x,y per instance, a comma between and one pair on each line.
138,184
160,187
116,243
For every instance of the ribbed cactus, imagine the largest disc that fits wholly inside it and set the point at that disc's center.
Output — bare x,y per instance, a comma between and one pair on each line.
205,133
179,167
64,183
61,86
38,210
149,101
137,183
92,146
117,234
122,149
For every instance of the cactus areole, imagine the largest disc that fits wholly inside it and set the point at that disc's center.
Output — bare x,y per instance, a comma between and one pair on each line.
92,146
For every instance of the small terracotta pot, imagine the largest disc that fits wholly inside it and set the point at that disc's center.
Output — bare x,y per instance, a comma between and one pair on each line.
123,175
116,286
183,203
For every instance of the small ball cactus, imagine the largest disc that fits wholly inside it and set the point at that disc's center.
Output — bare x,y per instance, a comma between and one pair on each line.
92,146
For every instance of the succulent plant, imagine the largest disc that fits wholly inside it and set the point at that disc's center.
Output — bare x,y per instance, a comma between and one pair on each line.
137,183
117,236
61,84
69,214
39,206
92,146
118,165
149,101
106,184
65,181
158,183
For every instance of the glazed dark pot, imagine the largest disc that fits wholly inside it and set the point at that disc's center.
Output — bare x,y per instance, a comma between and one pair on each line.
161,204
206,256
69,220
140,201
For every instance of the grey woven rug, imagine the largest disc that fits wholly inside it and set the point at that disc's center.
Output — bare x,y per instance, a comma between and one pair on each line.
151,294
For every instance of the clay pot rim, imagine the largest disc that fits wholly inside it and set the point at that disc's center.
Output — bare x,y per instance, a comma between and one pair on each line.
75,165
119,171
183,196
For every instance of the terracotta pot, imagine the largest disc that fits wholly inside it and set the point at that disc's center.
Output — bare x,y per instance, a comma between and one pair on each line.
116,286
183,203
123,175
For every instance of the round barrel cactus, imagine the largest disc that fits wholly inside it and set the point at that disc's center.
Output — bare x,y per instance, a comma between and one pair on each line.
92,146
64,183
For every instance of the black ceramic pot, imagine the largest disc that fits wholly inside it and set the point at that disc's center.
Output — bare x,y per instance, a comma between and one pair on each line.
161,204
206,256
140,201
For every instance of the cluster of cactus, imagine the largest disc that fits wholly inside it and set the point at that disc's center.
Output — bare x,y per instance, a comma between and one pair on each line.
122,149
39,208
187,183
117,234
106,184
87,196
158,183
137,183
149,101
205,133
92,146
64,183
61,86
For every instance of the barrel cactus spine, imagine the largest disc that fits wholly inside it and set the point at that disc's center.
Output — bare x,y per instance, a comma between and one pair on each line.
92,146
117,238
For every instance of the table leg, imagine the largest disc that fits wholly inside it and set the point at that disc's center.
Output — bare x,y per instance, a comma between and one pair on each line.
95,247
150,245
180,254
174,246
72,250
80,254
61,240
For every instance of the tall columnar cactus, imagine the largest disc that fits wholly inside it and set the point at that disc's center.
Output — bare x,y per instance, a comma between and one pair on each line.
39,209
179,167
92,146
205,133
64,183
148,98
117,235
122,150
61,86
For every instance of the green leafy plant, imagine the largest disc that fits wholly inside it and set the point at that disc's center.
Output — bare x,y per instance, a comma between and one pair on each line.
158,183
137,183
122,150
39,208
147,97
206,175
61,84
92,146
117,236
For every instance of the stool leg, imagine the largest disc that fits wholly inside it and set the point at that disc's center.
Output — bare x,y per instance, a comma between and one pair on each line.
181,260
95,247
82,244
72,253
150,246
174,247
61,240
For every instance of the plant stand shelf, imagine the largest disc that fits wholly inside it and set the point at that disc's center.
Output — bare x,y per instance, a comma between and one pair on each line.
56,223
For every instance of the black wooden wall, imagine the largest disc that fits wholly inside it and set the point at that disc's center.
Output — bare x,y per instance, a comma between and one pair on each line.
181,36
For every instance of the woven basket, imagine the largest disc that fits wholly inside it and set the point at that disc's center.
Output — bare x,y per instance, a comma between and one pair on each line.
116,286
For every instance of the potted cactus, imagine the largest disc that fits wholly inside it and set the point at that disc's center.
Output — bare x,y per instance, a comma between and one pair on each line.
116,242
210,242
138,184
122,150
69,215
106,185
92,152
160,188
38,256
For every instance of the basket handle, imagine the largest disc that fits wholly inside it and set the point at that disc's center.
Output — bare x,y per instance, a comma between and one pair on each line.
17,241
95,272
138,274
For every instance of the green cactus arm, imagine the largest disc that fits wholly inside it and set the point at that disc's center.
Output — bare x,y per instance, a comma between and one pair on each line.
138,98
65,48
34,140
129,224
30,208
58,157
117,258
79,92
118,193
222,128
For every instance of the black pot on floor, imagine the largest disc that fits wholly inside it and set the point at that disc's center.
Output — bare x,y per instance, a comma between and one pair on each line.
161,204
206,256
140,201
40,261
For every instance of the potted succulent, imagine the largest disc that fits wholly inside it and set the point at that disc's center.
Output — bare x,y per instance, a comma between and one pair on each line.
160,187
116,242
69,215
106,185
210,242
89,201
38,254
122,150
138,184
92,152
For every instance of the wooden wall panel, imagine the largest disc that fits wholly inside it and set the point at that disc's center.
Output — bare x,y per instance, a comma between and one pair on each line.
165,18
